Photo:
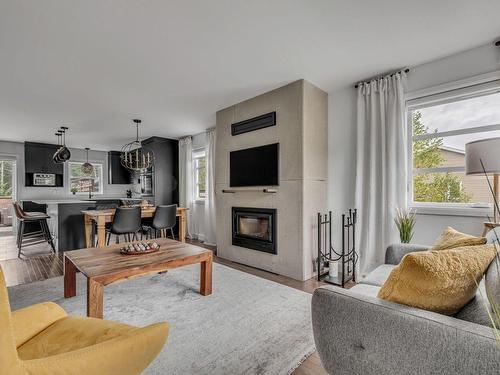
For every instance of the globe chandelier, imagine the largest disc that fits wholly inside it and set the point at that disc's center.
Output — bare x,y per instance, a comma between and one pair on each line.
135,156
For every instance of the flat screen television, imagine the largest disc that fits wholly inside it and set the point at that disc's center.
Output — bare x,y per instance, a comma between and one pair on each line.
257,166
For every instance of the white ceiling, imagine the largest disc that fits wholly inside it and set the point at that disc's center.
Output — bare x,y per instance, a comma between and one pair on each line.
95,64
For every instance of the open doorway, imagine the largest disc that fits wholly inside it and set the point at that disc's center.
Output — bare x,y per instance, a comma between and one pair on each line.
7,194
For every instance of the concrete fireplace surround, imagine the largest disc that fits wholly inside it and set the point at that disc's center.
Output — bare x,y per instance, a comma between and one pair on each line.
301,130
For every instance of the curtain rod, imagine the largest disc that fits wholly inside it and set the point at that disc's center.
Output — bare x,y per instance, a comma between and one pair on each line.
382,76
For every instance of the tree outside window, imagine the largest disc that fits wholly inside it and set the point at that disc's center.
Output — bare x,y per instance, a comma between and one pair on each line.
433,187
6,178
441,127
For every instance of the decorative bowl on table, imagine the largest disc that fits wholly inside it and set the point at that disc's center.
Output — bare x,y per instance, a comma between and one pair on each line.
140,248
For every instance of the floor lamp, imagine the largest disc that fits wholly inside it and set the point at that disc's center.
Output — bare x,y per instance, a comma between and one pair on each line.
482,157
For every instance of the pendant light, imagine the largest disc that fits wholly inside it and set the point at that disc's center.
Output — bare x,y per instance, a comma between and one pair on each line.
87,168
62,154
55,158
135,156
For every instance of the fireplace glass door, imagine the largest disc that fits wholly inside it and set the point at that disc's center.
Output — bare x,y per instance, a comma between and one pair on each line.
255,228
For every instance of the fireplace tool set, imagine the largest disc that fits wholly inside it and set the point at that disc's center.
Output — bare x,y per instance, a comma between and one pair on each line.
333,266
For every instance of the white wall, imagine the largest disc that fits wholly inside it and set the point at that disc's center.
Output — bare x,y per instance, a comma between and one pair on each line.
16,149
342,137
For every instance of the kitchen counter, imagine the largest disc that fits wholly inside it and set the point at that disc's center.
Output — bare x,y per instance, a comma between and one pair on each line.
66,221
61,201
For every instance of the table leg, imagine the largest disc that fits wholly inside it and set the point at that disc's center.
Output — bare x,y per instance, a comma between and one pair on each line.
69,278
88,231
101,231
94,298
182,226
206,277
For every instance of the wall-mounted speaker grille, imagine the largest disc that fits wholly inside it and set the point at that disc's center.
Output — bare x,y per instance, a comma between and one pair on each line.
259,122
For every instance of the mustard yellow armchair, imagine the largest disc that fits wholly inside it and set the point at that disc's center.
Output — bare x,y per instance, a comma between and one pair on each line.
42,339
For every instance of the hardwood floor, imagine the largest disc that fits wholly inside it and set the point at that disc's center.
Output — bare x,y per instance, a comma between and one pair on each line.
35,268
43,266
8,247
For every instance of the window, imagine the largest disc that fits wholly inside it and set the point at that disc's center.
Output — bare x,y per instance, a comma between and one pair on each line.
440,126
82,183
6,178
199,175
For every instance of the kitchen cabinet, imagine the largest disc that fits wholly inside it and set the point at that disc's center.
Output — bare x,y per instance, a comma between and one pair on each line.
165,170
117,173
38,158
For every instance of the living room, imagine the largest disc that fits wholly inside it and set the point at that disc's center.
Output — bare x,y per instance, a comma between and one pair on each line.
249,187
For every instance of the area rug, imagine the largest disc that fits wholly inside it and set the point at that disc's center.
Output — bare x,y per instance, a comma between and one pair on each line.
249,325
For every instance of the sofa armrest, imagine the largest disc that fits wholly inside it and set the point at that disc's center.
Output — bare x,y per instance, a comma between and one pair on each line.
358,334
395,252
31,320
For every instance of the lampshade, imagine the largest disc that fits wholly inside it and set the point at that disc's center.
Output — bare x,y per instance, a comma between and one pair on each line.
485,150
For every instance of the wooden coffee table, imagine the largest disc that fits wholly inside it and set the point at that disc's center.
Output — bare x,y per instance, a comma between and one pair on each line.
104,266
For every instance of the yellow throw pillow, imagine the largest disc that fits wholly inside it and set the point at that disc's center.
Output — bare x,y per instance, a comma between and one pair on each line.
451,238
442,281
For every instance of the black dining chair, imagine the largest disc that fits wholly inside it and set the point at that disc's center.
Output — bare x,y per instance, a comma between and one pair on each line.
164,219
27,239
126,222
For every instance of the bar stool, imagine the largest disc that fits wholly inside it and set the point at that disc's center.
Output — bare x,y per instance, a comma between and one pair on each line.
43,235
164,219
127,221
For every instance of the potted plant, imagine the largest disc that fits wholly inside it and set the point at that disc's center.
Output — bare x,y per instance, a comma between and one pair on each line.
405,221
73,190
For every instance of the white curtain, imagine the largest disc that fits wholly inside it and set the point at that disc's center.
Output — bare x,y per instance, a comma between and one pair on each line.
186,180
210,236
381,166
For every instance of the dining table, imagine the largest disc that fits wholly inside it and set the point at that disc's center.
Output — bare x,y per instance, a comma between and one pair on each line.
101,217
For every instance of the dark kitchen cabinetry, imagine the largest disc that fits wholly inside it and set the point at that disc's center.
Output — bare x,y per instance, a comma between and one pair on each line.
38,158
117,173
166,169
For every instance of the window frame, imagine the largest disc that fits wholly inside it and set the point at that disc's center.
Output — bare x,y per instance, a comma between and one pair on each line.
196,156
448,93
101,180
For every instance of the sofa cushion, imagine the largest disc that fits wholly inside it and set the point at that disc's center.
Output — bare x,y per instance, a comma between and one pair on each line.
366,290
443,281
70,334
476,311
492,281
378,276
493,235
451,238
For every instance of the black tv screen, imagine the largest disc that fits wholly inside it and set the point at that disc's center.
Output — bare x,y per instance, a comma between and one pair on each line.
257,166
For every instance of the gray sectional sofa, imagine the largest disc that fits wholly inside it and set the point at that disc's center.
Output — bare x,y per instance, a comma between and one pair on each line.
357,333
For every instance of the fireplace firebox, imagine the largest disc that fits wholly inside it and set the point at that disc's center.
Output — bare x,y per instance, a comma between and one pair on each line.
255,228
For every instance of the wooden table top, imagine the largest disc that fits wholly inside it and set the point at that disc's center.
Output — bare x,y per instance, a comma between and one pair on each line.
97,262
111,211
